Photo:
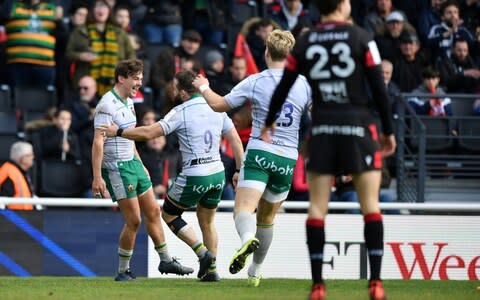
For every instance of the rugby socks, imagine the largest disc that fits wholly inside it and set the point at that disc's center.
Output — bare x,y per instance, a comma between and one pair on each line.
245,225
124,257
264,235
316,242
162,250
373,232
199,249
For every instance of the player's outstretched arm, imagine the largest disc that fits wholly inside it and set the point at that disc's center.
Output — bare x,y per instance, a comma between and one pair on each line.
216,102
141,133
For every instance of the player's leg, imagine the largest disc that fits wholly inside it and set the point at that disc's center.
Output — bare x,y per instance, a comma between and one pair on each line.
115,179
151,210
131,214
206,220
367,185
265,220
319,191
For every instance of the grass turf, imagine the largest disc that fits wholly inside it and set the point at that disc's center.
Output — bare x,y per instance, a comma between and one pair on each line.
143,288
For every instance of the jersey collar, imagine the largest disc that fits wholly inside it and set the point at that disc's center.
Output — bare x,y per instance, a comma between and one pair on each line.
118,96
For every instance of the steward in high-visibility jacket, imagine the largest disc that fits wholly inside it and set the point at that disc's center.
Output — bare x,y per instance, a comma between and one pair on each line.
14,182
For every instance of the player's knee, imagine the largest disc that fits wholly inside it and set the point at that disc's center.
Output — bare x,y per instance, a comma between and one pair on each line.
171,209
134,223
177,225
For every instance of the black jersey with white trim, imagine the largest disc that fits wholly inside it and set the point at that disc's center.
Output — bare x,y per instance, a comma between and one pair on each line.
342,65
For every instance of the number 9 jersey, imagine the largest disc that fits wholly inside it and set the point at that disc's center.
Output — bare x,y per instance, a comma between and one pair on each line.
343,66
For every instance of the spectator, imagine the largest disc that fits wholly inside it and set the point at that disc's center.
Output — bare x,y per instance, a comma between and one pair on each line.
236,73
408,67
14,178
374,22
392,88
32,28
242,119
169,62
209,18
83,106
389,42
153,156
256,37
59,142
470,14
428,18
459,73
122,17
288,13
435,106
78,13
163,22
214,70
441,36
242,45
96,48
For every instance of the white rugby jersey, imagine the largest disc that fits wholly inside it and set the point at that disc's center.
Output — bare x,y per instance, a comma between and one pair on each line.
113,110
259,89
199,130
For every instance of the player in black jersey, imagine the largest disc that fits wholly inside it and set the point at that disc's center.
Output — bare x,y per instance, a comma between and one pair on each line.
341,62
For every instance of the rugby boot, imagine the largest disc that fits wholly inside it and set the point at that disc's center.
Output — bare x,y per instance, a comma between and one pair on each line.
240,257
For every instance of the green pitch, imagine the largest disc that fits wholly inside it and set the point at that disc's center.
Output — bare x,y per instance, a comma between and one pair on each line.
105,288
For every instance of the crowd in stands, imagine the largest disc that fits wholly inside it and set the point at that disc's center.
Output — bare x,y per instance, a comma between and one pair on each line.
428,46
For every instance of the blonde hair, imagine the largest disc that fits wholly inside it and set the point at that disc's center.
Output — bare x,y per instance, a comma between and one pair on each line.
279,43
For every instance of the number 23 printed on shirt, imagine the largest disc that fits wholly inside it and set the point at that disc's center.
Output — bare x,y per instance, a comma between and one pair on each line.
285,115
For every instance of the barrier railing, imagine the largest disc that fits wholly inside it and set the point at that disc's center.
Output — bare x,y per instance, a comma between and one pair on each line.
91,202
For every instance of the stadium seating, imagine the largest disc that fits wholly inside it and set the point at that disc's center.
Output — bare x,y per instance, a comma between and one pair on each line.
60,179
438,133
8,133
469,133
5,100
33,99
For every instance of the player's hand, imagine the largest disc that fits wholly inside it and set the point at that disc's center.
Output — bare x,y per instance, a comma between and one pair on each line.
199,80
235,180
387,144
99,187
109,130
267,133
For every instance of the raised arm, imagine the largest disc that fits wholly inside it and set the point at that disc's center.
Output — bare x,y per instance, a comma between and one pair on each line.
216,102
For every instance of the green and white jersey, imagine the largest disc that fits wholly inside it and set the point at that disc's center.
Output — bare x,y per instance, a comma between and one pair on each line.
113,110
259,89
199,130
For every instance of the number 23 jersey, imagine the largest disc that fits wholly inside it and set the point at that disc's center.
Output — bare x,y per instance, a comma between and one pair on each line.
335,57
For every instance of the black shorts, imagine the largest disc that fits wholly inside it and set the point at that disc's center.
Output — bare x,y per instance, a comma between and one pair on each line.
340,149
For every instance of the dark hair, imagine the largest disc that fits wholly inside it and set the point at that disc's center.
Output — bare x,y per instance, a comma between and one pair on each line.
127,68
448,3
185,81
263,22
430,72
142,111
91,15
59,110
459,40
327,7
